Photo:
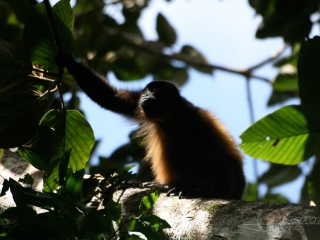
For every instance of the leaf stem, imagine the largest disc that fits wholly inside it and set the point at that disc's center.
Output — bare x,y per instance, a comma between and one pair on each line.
44,72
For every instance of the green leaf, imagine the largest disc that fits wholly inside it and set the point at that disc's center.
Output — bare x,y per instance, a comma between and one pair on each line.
137,228
168,72
297,27
84,6
21,108
132,236
286,82
146,233
165,31
314,183
128,168
64,12
128,67
15,66
114,211
132,224
179,76
76,134
38,37
63,167
309,72
291,59
24,195
156,222
26,179
74,185
272,25
42,148
58,223
275,198
280,174
71,221
18,213
281,97
148,201
250,193
21,8
262,6
287,136
97,222
68,78
194,55
51,181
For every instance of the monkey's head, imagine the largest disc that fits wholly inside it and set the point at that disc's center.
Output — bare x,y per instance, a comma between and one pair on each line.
159,99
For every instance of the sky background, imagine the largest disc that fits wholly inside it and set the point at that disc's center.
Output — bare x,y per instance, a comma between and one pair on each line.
224,31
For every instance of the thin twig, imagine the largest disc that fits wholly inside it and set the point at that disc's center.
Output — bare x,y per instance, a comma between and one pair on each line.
247,72
270,59
252,119
42,78
59,48
53,26
139,44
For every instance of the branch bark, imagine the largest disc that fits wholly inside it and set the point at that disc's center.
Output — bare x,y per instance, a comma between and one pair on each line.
221,219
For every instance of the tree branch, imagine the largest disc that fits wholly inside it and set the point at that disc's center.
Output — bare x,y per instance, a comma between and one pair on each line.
247,72
139,44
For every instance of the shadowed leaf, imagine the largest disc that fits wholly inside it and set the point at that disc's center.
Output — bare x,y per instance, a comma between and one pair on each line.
38,37
15,66
309,72
21,109
165,31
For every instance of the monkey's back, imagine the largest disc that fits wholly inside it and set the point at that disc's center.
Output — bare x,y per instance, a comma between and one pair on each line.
193,149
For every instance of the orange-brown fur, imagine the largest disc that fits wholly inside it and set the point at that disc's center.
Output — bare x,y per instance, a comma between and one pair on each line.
187,146
166,169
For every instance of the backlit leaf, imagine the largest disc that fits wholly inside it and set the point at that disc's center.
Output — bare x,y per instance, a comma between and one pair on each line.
75,132
148,201
64,12
74,185
114,211
287,136
38,37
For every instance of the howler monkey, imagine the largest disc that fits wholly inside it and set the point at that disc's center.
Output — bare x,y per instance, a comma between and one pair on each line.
188,148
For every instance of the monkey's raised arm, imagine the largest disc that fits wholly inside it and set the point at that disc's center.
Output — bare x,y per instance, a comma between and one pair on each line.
98,89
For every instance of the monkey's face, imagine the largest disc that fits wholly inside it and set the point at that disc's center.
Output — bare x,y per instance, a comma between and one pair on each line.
158,99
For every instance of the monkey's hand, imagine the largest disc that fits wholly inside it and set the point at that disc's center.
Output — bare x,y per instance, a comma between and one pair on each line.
201,189
182,192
